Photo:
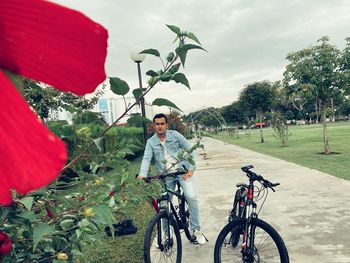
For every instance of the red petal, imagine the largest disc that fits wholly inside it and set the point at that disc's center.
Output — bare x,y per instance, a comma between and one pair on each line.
31,156
52,44
5,245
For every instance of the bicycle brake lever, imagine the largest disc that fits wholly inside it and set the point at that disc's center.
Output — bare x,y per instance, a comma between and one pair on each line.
185,168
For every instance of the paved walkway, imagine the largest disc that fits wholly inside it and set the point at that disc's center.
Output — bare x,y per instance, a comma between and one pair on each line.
310,209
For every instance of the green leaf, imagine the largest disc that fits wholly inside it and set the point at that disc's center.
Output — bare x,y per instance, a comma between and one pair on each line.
190,160
98,143
165,77
170,57
174,68
138,119
67,223
27,202
103,215
165,102
182,50
152,73
180,155
191,46
137,93
182,53
193,37
175,29
3,214
151,51
40,232
181,78
78,232
118,86
76,252
30,215
124,176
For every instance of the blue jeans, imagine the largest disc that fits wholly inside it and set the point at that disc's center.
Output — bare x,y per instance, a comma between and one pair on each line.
189,189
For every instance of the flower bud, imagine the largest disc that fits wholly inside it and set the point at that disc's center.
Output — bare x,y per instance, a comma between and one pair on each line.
62,256
89,212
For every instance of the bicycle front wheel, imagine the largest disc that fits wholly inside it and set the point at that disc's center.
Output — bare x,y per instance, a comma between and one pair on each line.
261,243
162,240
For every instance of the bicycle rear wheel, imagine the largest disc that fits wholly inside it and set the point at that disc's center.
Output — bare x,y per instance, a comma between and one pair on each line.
266,245
162,240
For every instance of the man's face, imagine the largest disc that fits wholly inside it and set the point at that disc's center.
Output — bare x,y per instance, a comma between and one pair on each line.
160,126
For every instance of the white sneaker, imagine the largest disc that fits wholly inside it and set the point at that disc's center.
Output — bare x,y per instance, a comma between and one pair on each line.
200,238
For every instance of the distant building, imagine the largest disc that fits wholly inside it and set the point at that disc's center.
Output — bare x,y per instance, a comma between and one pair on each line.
112,108
61,115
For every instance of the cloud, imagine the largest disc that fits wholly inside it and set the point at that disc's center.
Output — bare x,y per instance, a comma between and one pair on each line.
247,40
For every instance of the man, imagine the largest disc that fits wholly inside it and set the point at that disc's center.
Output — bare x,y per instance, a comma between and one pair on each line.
164,145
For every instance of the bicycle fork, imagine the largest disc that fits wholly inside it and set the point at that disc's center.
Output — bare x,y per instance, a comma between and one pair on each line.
248,247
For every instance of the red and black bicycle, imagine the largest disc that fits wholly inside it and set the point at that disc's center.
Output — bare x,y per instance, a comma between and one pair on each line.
246,238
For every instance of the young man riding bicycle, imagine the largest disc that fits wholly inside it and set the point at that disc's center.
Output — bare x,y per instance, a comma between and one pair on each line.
164,145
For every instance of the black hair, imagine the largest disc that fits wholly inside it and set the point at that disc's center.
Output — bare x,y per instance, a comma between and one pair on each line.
160,115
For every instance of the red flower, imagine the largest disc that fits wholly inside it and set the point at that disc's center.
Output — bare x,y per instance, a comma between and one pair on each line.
52,44
5,245
112,193
49,213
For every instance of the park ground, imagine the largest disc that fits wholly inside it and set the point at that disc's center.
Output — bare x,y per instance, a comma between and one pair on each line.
308,209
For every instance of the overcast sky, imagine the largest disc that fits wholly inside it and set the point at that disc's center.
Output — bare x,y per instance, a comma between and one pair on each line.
247,40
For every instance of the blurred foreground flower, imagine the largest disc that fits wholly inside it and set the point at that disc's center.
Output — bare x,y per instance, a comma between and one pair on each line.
55,45
5,245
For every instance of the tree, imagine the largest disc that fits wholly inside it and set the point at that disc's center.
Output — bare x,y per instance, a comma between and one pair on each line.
345,108
289,115
258,96
89,117
234,113
280,127
176,123
44,99
315,73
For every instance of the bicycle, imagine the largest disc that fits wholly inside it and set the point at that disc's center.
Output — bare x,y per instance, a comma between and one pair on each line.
246,238
163,237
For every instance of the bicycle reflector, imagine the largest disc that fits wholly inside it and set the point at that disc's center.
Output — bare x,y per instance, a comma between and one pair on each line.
155,204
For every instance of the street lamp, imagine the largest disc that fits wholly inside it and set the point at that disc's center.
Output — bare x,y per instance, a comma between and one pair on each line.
138,58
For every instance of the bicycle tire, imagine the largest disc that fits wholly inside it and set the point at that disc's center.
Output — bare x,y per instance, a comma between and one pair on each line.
235,207
157,246
268,244
185,217
236,213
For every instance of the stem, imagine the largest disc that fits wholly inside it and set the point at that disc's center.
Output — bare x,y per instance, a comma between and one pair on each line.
148,89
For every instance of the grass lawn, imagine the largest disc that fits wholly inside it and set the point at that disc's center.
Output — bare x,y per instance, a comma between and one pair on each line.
305,146
126,248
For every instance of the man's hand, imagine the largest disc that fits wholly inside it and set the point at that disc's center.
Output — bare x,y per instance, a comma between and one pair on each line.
188,175
140,177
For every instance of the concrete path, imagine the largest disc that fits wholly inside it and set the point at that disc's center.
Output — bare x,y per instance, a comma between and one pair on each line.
310,209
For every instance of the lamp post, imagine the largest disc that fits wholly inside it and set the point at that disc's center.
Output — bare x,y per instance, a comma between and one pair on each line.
138,58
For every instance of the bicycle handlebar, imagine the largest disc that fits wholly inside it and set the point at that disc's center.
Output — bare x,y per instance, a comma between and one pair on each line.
253,176
149,179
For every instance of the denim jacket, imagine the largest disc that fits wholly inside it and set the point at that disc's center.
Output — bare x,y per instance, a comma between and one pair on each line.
174,142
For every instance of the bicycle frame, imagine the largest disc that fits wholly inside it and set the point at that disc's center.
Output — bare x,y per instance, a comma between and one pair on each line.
171,209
